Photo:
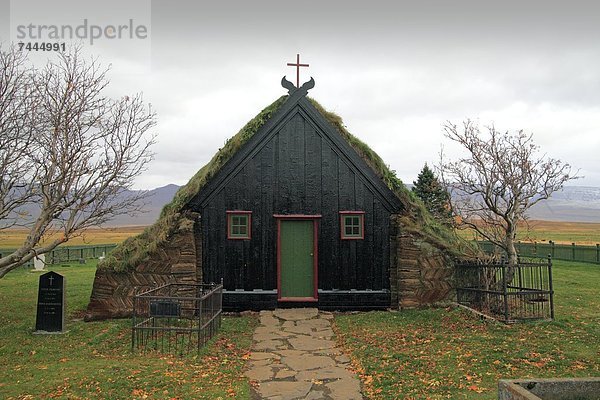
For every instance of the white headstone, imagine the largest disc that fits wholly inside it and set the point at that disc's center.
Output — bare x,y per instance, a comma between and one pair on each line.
39,262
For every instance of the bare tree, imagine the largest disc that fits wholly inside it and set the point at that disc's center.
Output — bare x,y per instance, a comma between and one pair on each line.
17,123
500,179
82,155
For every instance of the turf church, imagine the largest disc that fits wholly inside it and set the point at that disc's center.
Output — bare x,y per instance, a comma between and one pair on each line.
293,211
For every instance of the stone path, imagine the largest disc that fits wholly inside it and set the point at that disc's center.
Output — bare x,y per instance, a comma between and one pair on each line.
294,357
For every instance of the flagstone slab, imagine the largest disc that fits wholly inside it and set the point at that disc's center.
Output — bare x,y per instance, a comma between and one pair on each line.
259,337
325,333
296,314
288,324
347,389
308,343
303,330
291,353
343,359
285,390
285,373
268,345
328,352
304,362
267,319
315,395
261,355
263,373
285,334
268,329
333,372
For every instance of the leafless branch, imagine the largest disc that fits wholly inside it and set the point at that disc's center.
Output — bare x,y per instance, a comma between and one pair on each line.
85,150
498,181
17,126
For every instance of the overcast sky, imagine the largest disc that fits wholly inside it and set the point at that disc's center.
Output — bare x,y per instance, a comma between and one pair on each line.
395,71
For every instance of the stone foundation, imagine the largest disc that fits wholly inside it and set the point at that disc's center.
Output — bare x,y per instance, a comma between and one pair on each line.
175,261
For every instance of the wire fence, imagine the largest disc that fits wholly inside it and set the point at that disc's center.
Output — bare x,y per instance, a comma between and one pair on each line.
69,254
566,252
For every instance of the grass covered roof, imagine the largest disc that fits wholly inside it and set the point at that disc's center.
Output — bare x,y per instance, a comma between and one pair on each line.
415,218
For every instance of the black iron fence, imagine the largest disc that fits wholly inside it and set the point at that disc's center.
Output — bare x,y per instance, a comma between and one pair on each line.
176,318
68,254
567,252
507,293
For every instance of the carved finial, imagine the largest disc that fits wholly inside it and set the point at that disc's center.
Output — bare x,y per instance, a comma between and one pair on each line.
308,85
288,85
293,89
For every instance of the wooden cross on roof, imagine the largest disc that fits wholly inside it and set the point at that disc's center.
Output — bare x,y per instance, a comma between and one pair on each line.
297,65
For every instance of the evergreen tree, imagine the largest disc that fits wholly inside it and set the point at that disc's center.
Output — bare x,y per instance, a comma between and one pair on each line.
436,198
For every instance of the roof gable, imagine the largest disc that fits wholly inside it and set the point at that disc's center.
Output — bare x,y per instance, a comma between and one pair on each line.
175,218
296,104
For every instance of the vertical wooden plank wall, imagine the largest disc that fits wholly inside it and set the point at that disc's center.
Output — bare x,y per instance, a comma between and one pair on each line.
297,171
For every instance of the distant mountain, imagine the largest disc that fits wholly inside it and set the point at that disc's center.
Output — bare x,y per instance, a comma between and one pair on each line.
153,204
156,200
573,203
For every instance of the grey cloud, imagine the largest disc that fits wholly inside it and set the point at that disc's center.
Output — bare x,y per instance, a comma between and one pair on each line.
394,70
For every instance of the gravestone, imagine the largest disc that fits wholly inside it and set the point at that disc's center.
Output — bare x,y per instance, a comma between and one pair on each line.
51,303
165,308
39,262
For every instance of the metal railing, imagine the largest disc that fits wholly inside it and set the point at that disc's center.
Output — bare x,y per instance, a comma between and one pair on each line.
566,252
176,318
505,292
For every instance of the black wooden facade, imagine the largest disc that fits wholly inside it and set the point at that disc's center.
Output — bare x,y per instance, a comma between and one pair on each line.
297,164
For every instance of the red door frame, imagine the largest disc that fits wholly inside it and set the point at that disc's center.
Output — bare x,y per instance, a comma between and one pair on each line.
314,218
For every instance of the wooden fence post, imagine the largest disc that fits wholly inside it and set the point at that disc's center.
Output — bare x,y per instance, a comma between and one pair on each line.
598,253
573,251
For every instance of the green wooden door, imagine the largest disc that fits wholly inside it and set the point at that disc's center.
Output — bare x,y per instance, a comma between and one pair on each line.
297,257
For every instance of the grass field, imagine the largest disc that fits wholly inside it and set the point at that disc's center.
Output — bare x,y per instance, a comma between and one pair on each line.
583,233
563,232
10,238
541,231
417,354
449,353
94,360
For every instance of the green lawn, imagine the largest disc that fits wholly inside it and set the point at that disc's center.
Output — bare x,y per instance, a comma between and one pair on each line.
449,353
94,360
435,353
